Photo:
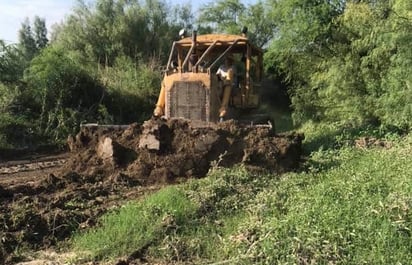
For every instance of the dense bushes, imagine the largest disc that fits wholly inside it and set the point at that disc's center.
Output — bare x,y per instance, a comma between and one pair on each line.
132,89
101,66
349,63
60,93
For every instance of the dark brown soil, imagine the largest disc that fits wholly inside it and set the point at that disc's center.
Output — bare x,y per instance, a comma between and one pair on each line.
167,151
107,166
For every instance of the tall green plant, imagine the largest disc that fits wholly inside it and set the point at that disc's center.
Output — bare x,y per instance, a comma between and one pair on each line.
40,32
61,92
396,84
15,129
12,63
27,43
132,89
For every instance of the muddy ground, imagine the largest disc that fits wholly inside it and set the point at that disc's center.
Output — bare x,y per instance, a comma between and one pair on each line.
43,206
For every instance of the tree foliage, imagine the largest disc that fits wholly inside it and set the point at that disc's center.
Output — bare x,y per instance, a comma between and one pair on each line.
124,43
27,43
62,93
31,41
223,16
11,63
40,33
110,28
231,16
347,62
183,17
103,65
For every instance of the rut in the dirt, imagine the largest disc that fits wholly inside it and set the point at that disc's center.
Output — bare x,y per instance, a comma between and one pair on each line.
165,151
39,214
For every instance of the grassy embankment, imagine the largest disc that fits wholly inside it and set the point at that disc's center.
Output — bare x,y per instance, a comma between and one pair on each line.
347,206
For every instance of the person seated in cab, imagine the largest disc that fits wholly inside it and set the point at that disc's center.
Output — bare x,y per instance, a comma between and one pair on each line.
226,76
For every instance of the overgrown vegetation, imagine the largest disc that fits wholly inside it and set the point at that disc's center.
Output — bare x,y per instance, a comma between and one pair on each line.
346,62
342,60
101,65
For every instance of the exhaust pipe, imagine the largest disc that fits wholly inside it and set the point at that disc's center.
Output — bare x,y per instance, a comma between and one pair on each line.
193,56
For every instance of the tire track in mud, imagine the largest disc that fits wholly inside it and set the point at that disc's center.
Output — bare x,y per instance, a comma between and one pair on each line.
41,204
30,168
22,166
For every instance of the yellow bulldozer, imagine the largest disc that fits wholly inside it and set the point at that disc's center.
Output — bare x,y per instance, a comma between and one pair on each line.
210,89
210,78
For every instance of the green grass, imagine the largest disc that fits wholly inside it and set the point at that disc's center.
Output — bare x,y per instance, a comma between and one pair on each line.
358,212
136,225
347,206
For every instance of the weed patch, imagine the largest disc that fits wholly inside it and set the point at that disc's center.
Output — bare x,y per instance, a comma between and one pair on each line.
136,225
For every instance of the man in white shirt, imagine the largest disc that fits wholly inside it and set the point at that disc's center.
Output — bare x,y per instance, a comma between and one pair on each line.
226,73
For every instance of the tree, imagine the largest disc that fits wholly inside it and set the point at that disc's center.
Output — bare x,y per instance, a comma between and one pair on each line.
27,43
231,16
40,32
123,44
14,126
30,43
11,63
305,37
183,17
262,28
394,53
345,63
367,80
222,16
109,28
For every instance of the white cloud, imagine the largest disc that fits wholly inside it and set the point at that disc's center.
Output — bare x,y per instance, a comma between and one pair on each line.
14,12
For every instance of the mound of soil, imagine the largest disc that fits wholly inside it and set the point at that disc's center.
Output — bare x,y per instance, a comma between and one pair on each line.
108,166
166,151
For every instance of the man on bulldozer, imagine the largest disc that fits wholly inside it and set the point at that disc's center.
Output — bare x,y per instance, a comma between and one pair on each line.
194,88
226,76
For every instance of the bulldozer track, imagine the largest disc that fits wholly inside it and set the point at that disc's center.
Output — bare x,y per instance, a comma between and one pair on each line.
32,164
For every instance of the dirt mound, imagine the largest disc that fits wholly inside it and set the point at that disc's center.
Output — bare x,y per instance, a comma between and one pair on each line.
161,151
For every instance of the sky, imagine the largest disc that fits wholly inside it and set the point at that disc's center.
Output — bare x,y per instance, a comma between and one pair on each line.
14,12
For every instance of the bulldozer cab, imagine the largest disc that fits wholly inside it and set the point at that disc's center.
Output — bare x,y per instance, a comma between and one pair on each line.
192,90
